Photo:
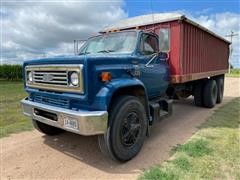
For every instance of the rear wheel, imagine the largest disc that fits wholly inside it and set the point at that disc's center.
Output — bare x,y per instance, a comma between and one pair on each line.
210,93
127,129
198,94
46,129
220,88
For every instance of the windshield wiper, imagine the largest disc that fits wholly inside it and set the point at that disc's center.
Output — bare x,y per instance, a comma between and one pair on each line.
105,51
83,53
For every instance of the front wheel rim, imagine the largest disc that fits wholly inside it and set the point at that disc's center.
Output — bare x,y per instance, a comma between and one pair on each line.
130,130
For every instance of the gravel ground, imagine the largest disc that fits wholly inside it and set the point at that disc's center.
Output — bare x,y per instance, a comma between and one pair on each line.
32,155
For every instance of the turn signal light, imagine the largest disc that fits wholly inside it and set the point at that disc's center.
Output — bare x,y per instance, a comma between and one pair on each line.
106,76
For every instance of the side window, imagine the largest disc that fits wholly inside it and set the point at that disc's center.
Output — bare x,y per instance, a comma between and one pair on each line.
149,44
164,39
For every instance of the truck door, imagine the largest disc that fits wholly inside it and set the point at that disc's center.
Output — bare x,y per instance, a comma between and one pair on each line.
154,70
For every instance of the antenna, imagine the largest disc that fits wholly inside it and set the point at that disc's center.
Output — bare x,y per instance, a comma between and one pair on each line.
43,53
75,46
151,5
231,48
152,11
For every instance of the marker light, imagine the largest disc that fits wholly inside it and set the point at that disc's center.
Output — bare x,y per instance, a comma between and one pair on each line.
106,76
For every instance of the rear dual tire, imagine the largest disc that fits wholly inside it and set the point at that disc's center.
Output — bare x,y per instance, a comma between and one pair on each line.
220,85
198,94
208,93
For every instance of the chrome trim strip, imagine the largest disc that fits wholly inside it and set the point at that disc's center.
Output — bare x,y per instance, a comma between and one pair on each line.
65,86
89,122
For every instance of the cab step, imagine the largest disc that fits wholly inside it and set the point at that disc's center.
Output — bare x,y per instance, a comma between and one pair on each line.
160,109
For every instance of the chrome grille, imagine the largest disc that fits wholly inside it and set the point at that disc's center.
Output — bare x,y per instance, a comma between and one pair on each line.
54,77
51,77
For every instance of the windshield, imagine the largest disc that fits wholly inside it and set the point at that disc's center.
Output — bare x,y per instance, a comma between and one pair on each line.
122,42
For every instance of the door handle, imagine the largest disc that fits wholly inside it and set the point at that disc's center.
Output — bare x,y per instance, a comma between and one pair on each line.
149,65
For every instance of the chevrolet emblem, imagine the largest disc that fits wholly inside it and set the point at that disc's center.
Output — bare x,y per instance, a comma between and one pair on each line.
47,77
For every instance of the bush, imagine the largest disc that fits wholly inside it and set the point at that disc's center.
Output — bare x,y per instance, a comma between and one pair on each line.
11,72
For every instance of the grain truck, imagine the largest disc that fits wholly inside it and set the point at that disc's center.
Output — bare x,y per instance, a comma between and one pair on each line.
122,81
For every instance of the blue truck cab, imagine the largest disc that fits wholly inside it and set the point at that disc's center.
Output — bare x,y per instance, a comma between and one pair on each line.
115,87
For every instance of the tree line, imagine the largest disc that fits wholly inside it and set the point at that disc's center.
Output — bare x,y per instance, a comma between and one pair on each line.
11,72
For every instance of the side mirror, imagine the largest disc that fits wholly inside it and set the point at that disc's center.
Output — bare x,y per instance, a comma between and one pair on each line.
163,56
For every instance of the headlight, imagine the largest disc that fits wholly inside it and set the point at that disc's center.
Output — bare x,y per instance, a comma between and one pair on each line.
30,76
74,78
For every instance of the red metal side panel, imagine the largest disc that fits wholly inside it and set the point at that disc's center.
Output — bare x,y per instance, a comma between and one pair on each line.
194,53
174,54
201,51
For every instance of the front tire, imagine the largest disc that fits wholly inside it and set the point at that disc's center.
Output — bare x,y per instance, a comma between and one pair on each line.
46,129
127,129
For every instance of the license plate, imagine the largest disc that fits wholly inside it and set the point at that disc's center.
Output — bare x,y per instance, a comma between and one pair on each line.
70,123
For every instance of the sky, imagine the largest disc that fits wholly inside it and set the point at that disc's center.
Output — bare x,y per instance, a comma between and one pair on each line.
36,28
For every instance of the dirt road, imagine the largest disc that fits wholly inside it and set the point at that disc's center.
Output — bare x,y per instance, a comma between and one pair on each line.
32,155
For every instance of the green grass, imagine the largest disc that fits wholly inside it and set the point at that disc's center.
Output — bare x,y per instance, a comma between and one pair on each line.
212,153
234,73
195,148
11,118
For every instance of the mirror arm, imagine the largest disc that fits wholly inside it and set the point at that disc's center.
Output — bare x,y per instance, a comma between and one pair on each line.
148,63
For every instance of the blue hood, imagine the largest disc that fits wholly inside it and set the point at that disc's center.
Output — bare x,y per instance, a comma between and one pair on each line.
57,60
77,59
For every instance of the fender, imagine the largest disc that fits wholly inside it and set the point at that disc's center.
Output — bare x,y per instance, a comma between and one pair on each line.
105,94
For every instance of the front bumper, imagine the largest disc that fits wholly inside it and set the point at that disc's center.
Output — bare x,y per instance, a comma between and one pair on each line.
89,122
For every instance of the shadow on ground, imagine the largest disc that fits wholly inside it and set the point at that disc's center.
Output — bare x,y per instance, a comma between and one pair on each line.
165,135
